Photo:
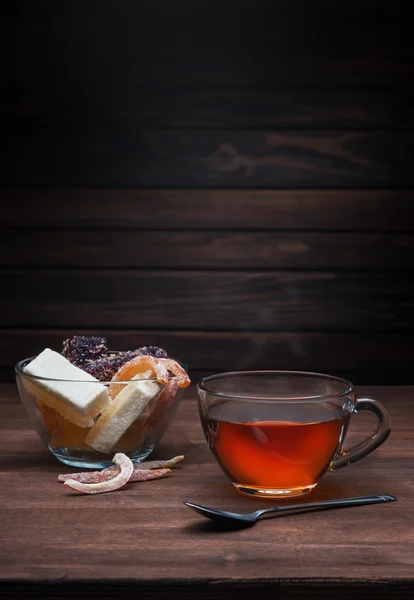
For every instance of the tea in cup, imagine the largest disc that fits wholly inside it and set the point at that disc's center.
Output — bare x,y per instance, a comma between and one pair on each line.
276,433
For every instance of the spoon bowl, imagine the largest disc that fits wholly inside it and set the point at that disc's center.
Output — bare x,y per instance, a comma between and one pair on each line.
239,520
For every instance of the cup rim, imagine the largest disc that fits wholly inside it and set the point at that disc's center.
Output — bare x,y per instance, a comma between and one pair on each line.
202,385
18,369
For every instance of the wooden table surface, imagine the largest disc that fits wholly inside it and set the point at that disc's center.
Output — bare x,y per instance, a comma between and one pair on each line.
143,540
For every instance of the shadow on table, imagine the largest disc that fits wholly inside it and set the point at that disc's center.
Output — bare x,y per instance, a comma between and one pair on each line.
224,497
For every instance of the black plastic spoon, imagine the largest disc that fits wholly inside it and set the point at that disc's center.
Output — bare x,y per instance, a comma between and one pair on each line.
231,519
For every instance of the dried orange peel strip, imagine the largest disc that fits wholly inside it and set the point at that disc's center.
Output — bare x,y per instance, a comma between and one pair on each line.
177,370
165,400
126,469
158,464
136,366
140,471
111,472
147,475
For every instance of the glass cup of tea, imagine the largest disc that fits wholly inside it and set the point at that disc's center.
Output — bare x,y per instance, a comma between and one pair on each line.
276,433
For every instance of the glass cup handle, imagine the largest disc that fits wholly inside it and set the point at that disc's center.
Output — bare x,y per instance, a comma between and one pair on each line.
373,441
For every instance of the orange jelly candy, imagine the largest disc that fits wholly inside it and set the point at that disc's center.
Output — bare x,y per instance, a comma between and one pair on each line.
63,433
136,366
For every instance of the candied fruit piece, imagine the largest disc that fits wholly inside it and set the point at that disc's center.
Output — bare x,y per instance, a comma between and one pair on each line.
92,355
111,472
165,401
178,372
155,351
62,432
159,467
68,435
134,367
105,367
79,349
49,416
103,485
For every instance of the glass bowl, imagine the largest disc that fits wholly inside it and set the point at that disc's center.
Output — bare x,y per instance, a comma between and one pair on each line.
68,441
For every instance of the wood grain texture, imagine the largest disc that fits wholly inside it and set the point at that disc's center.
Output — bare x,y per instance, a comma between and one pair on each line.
150,538
223,300
206,249
363,358
169,106
130,156
256,209
187,170
294,43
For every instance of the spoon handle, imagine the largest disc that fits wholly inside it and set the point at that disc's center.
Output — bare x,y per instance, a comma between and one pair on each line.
325,504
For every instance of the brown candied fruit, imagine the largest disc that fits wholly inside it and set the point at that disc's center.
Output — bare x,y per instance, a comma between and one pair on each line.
105,367
79,349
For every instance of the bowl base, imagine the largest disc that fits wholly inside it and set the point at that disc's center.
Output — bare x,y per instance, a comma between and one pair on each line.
95,460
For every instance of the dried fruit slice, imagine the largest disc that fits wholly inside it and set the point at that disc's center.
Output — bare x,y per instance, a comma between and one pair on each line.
105,366
165,400
125,408
69,435
80,348
49,416
126,469
134,367
154,466
157,464
62,432
178,371
75,394
110,472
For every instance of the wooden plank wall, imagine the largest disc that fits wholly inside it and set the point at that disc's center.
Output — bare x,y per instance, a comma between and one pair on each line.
230,180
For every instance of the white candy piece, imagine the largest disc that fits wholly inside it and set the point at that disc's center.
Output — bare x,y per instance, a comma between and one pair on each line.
124,409
80,402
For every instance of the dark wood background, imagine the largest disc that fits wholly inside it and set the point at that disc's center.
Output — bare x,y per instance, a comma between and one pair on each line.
233,181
